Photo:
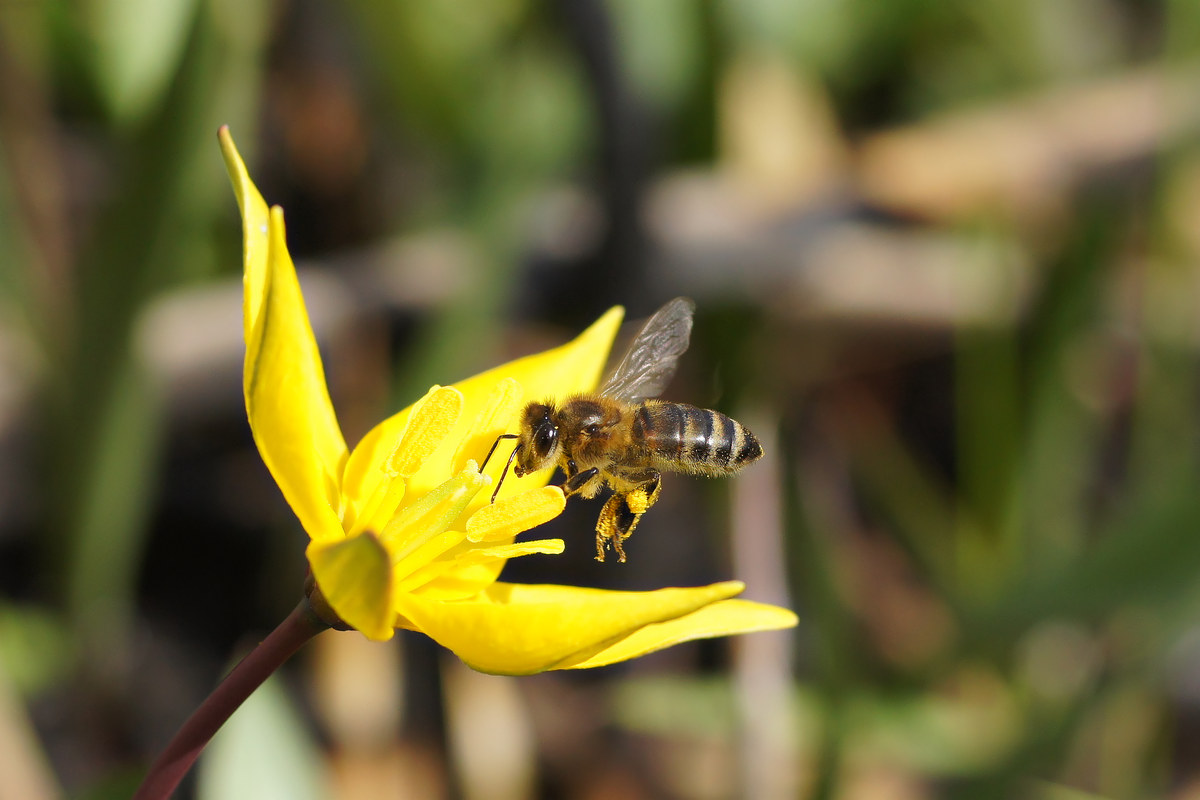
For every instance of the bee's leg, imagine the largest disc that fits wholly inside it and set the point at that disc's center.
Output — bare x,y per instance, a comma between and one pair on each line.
641,498
576,482
615,517
622,513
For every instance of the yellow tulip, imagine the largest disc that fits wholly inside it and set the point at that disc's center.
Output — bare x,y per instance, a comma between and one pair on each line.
401,533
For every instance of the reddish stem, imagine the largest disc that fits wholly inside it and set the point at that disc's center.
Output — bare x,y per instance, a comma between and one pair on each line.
174,762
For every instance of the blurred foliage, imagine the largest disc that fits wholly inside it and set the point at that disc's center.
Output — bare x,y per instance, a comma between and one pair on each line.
34,649
239,765
990,521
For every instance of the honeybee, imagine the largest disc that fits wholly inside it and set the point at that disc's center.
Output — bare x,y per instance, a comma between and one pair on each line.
622,438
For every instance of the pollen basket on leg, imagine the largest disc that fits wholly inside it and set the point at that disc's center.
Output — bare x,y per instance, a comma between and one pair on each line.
497,414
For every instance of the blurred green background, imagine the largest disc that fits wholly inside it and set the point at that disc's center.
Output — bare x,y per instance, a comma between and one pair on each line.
946,257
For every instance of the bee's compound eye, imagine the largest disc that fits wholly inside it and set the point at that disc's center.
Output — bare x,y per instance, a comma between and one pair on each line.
543,440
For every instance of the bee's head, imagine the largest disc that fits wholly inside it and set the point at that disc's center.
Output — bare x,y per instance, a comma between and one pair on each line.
539,446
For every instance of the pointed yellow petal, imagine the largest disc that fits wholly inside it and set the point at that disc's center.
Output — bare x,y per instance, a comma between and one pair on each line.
725,618
513,629
254,228
287,401
573,367
509,516
355,575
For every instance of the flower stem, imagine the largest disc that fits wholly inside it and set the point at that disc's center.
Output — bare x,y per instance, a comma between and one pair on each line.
174,762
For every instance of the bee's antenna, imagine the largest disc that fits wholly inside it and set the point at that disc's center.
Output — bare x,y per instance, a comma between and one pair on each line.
496,444
508,464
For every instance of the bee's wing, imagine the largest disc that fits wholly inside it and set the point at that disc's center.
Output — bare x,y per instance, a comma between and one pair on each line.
650,363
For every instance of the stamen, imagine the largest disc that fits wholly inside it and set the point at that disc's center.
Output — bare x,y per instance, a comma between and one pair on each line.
512,515
430,421
432,514
476,559
428,552
383,504
515,550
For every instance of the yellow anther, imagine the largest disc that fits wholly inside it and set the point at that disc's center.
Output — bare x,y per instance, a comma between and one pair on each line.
429,422
514,550
506,518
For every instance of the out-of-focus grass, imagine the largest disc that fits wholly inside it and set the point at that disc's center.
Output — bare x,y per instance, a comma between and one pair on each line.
150,229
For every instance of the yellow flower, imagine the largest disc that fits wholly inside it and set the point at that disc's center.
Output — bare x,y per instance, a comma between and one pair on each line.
401,534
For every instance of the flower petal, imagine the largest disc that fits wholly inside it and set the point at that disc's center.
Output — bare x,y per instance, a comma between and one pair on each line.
726,618
498,412
255,237
570,368
514,629
287,401
447,579
355,575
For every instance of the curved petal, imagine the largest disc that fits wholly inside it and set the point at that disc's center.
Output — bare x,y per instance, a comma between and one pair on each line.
287,401
726,618
355,575
570,368
499,410
514,629
254,227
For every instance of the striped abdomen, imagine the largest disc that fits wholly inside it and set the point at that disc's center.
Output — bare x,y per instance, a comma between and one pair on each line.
684,438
